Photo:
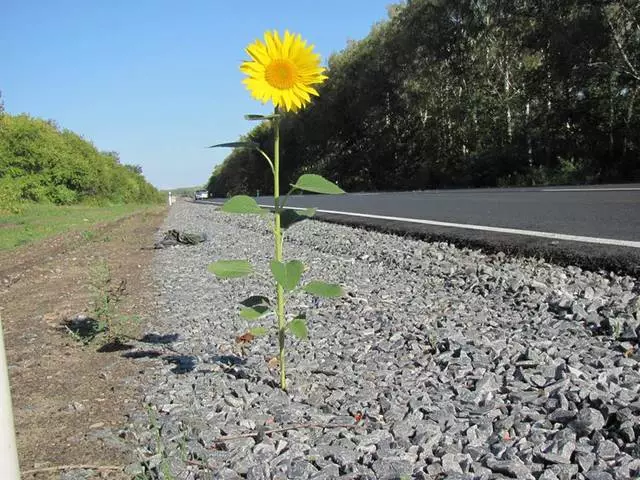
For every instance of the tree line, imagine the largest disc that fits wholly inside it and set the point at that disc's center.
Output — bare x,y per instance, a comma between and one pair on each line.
468,93
40,162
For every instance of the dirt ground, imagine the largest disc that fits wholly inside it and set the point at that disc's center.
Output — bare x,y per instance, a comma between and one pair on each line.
67,395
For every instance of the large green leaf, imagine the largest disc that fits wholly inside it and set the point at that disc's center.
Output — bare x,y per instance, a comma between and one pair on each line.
289,216
298,326
230,268
323,289
287,274
318,184
241,204
236,145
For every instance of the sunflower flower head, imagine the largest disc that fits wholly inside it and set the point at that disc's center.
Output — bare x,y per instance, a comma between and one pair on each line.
282,70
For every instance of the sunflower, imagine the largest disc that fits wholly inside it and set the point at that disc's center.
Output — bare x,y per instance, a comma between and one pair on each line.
282,70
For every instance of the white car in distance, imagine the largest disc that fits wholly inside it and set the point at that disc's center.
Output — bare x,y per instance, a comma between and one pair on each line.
201,195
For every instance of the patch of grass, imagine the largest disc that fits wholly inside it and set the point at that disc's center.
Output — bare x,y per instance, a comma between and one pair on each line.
105,321
88,235
39,221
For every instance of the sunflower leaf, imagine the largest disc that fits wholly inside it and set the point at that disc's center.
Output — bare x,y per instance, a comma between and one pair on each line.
289,216
258,331
298,326
236,145
323,289
253,116
254,313
317,184
230,268
242,204
287,274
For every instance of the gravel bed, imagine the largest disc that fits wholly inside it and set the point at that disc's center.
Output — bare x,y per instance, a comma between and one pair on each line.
439,362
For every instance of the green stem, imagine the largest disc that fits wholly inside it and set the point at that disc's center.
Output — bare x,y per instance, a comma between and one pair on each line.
268,160
286,198
278,250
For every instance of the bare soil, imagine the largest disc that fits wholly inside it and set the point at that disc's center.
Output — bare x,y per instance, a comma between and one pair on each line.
69,400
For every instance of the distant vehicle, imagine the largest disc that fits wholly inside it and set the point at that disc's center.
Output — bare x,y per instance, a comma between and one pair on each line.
201,195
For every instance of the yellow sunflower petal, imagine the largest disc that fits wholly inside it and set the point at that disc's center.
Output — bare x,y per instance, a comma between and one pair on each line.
286,44
272,46
302,94
252,68
258,52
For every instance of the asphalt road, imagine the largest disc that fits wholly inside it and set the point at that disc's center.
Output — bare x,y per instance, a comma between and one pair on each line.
593,226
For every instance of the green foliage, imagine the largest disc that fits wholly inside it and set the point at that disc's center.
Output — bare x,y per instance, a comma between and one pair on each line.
298,327
105,321
258,331
317,184
186,192
231,268
10,197
287,274
255,307
39,162
289,216
322,289
107,296
253,313
241,204
465,93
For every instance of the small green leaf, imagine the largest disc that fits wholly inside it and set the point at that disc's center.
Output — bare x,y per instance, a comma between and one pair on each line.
318,184
258,331
236,145
322,289
298,326
241,204
287,274
289,216
256,301
253,313
230,268
307,212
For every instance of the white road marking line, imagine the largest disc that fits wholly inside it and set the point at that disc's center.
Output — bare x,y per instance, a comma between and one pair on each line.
484,228
621,189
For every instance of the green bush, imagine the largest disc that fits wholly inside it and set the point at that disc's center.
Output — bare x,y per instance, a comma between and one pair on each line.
42,163
10,196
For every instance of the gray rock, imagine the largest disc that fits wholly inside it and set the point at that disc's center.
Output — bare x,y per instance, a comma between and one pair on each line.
562,416
512,468
510,361
450,464
327,473
227,474
607,450
598,475
564,472
585,460
302,469
548,475
391,469
259,471
587,420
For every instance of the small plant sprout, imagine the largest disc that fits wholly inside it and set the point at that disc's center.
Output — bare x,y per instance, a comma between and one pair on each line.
284,73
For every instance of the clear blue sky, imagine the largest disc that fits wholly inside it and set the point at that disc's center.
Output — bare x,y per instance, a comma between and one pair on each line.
155,80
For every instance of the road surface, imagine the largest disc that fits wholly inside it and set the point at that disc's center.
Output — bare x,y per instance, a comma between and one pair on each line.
591,226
